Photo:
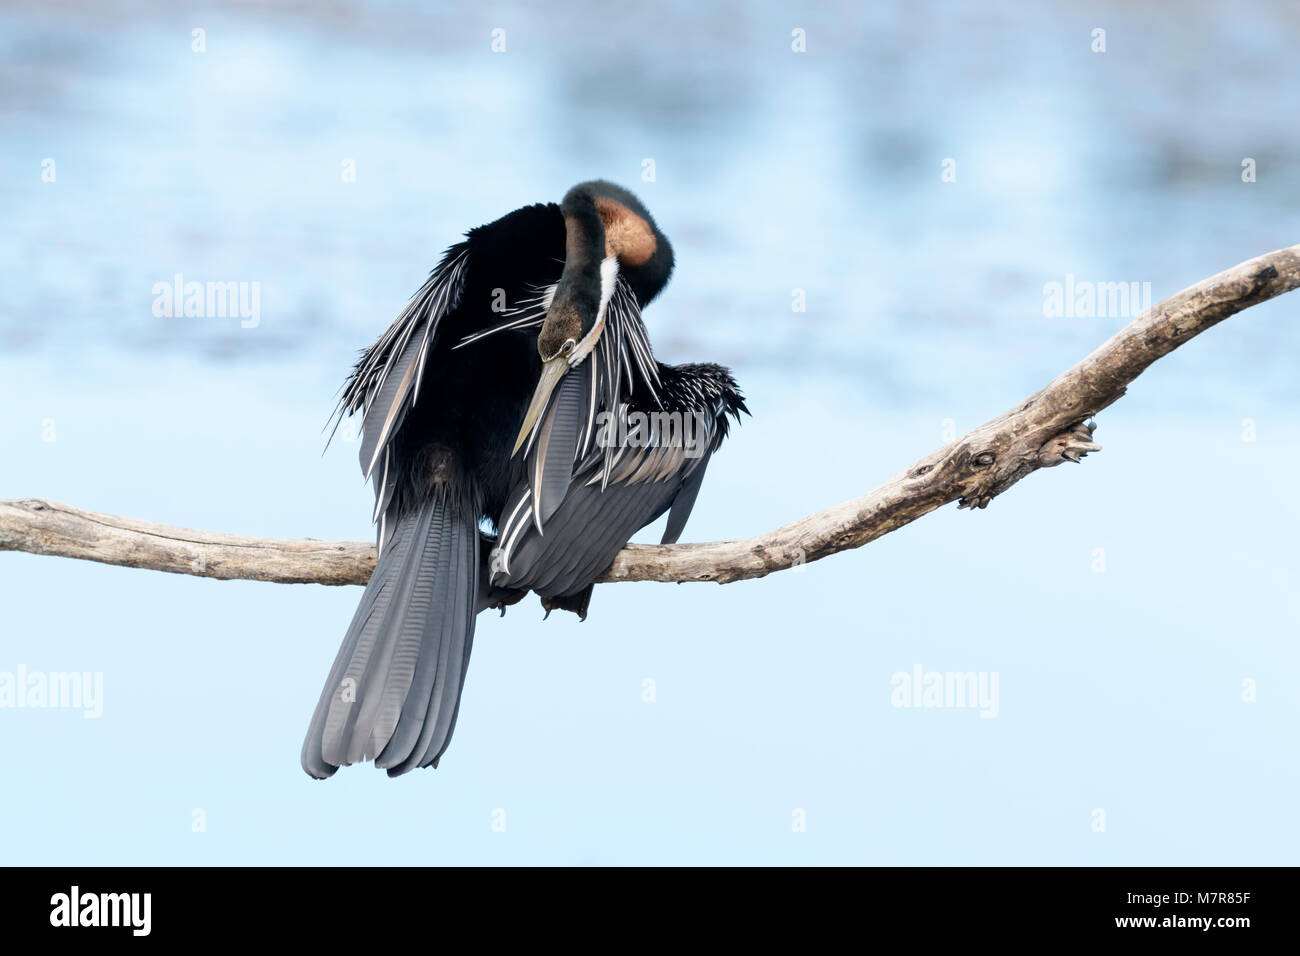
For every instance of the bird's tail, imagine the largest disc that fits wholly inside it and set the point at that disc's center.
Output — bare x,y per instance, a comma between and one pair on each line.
394,690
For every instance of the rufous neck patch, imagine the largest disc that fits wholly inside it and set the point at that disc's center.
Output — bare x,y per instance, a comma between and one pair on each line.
627,235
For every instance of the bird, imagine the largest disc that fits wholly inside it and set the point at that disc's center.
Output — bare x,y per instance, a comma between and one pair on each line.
518,431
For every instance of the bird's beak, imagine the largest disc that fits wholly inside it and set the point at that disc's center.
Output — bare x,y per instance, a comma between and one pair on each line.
553,370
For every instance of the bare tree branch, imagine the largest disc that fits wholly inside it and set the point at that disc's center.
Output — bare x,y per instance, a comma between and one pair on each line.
1044,430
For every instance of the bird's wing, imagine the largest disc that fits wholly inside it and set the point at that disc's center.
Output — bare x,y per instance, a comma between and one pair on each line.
638,465
386,381
565,434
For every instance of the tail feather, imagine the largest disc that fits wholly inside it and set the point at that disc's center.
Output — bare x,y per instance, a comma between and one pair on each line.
347,734
429,710
395,686
385,678
369,614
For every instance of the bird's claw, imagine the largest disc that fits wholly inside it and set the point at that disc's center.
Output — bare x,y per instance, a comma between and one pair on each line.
578,606
507,599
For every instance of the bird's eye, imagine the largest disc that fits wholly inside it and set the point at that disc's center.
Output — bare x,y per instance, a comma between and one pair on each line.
567,348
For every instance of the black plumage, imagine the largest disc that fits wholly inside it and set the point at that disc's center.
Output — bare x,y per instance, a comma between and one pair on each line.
619,487
548,419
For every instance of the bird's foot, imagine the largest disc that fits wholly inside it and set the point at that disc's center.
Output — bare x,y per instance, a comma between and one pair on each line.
507,598
576,603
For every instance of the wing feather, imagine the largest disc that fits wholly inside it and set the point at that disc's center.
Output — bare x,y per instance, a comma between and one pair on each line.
594,521
386,381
